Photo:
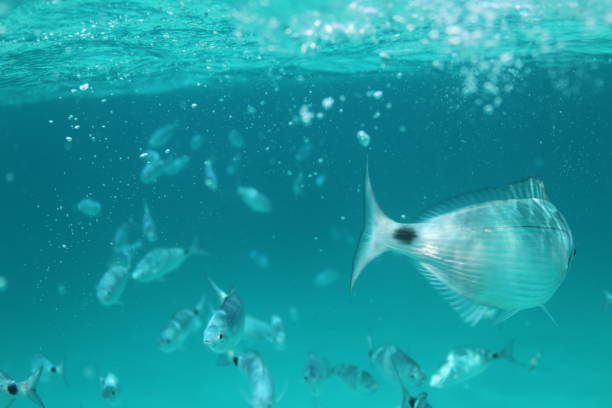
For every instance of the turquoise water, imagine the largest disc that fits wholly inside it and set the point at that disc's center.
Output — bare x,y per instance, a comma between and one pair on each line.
455,96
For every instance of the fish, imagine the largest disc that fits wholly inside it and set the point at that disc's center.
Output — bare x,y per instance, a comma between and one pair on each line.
154,167
210,177
316,370
256,330
111,286
396,365
161,261
408,401
326,277
89,207
491,253
298,184
235,139
252,366
109,385
27,388
225,328
162,135
48,370
359,380
255,199
3,283
196,142
149,230
174,166
607,298
534,362
181,325
465,363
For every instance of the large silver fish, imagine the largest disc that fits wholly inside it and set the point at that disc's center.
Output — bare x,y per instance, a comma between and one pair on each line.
464,363
260,380
316,370
161,261
491,253
27,388
226,325
181,325
358,379
396,365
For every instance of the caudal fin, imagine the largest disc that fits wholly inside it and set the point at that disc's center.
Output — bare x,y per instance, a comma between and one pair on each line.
376,229
30,386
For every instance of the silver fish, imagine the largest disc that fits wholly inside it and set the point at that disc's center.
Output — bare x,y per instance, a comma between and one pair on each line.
256,330
48,370
359,380
255,199
13,389
316,370
181,325
89,207
464,363
196,142
260,380
112,284
408,401
149,231
159,262
154,167
298,184
226,325
210,177
162,135
491,253
396,365
109,385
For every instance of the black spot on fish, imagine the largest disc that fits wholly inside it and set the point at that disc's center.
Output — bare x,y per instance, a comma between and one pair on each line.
405,235
53,369
235,361
12,389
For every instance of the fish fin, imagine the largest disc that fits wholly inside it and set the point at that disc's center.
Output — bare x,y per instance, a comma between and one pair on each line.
30,387
505,315
283,392
550,316
471,312
62,372
406,397
195,249
532,187
374,235
421,401
10,403
220,293
507,353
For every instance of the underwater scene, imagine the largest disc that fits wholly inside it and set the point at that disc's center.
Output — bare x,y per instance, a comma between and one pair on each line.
317,203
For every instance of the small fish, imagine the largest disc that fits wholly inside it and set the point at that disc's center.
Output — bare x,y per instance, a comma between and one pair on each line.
196,142
491,253
260,259
408,401
89,207
326,277
298,185
254,199
359,380
260,380
176,165
154,167
3,283
161,261
13,389
181,325
256,330
210,177
162,135
48,370
607,298
112,284
226,325
534,362
109,385
396,365
148,225
316,370
235,139
465,363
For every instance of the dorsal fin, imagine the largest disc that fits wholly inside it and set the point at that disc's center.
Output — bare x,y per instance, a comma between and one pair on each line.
220,293
532,187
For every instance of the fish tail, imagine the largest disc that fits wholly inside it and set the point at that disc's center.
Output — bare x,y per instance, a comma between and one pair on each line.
31,384
200,306
378,232
407,398
195,249
61,371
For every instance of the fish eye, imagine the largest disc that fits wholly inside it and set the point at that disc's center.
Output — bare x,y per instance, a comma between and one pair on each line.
53,369
235,360
12,388
220,336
